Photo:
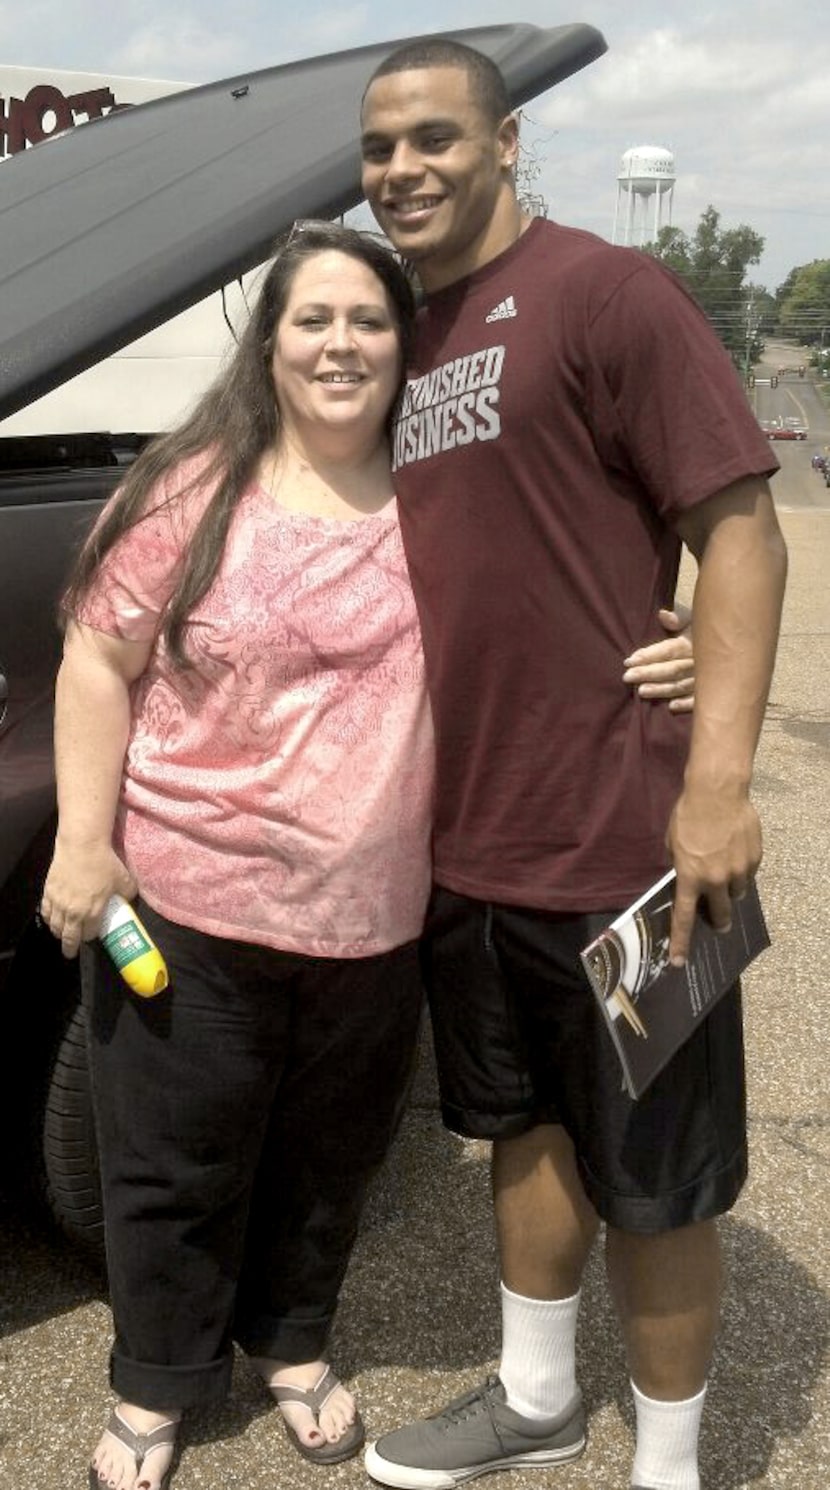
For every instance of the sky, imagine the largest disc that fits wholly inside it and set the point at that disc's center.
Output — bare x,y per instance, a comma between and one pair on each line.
738,92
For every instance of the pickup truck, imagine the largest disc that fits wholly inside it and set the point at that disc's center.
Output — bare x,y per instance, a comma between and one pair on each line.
210,179
52,485
61,456
50,490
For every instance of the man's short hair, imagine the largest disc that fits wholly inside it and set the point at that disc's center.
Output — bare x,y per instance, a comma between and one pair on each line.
487,86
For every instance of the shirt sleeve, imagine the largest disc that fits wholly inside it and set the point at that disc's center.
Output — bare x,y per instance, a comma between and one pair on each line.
138,575
667,396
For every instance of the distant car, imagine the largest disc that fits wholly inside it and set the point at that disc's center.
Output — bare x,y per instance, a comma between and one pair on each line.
786,432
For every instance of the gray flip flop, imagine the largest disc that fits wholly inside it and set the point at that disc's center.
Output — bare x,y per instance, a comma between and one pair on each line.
140,1446
315,1399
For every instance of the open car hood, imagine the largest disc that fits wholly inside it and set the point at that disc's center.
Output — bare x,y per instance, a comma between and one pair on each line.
116,226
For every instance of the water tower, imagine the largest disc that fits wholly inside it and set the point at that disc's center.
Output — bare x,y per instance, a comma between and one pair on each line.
646,172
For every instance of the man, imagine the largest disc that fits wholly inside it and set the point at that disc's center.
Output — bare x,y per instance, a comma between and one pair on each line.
569,418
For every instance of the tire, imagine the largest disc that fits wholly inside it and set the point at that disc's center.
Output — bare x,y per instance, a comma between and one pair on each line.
70,1151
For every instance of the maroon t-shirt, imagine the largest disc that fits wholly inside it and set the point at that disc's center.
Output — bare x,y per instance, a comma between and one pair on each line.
566,402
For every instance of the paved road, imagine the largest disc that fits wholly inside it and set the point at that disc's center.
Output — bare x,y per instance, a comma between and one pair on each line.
419,1322
799,486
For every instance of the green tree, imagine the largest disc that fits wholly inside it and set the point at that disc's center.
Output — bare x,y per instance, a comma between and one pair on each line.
713,262
804,303
760,317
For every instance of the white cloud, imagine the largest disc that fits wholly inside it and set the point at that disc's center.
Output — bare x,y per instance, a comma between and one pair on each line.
737,90
663,77
186,47
179,47
746,114
330,30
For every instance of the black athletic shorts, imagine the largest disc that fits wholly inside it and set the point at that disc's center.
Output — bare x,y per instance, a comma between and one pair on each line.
519,1041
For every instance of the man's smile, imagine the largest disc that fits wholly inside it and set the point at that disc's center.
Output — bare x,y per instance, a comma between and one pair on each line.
410,206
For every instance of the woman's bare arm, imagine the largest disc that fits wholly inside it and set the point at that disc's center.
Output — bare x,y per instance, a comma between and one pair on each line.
92,722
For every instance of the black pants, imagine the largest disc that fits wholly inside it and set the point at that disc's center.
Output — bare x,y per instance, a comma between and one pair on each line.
240,1116
519,1040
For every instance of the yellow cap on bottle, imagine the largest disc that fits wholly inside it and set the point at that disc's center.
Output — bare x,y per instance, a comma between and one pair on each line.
130,946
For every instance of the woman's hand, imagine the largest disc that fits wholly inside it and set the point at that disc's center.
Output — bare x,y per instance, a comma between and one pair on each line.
666,670
78,886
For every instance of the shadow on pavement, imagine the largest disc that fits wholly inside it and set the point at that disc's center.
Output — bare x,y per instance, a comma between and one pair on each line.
422,1300
419,1319
42,1276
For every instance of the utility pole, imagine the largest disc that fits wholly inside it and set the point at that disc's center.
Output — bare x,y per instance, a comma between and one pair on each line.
750,332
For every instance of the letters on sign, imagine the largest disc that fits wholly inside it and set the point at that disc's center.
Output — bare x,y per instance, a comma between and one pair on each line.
45,111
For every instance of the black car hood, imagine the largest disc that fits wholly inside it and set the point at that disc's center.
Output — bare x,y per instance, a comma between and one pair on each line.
114,227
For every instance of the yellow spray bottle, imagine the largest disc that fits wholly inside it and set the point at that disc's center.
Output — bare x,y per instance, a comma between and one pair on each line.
128,942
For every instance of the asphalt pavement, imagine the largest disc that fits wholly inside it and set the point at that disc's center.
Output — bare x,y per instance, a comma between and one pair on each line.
419,1319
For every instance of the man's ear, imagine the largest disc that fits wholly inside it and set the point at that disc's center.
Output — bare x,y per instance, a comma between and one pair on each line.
507,137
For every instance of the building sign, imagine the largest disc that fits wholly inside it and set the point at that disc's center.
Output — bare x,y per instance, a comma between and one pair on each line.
46,111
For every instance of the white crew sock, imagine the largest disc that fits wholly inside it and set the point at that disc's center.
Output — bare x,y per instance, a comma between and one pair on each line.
538,1367
667,1434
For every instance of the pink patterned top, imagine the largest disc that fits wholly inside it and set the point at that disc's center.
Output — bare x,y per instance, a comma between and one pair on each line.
280,791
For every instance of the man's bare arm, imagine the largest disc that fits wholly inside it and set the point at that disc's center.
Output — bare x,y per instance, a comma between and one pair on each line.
714,833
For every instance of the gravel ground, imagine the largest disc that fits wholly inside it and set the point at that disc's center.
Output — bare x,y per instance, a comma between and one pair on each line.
419,1317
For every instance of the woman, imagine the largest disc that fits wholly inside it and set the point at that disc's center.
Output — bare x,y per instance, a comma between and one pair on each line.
242,735
242,732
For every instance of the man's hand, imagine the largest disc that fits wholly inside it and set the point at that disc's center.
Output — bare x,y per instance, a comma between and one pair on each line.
715,845
666,670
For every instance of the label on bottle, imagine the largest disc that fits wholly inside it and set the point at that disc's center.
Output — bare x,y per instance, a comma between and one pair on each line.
125,943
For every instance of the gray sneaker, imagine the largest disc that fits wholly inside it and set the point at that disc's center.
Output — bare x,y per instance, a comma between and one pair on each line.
474,1435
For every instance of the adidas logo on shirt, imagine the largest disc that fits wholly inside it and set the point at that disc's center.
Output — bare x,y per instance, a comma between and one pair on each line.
503,311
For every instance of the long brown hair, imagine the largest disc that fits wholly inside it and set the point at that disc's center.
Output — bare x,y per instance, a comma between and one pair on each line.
233,424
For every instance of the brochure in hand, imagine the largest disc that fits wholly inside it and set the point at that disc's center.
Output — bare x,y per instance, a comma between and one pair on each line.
650,1007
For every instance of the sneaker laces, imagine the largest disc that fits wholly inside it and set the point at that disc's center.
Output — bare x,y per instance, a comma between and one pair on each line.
471,1405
